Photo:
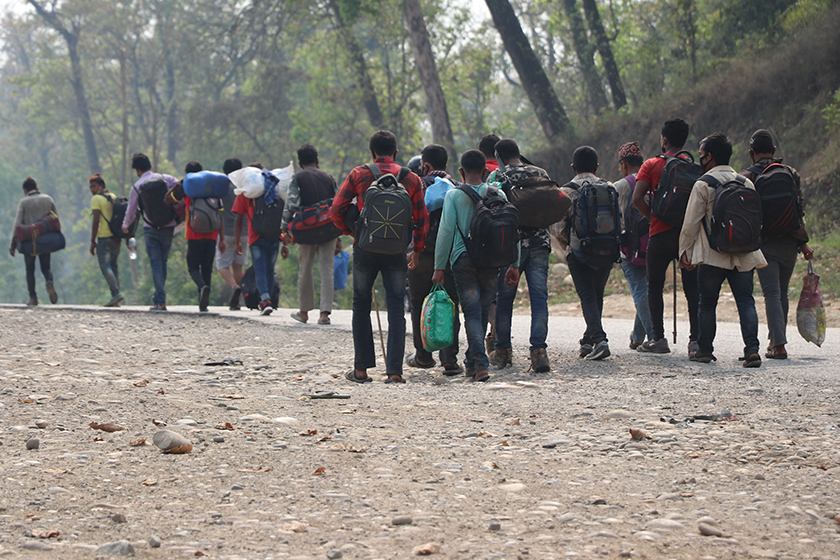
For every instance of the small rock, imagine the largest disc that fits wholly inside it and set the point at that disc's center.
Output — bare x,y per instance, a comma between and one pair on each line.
402,520
171,442
495,527
35,545
759,476
154,542
116,548
187,422
513,487
334,554
237,487
33,443
665,524
441,380
41,424
219,439
285,420
619,414
119,518
426,549
709,530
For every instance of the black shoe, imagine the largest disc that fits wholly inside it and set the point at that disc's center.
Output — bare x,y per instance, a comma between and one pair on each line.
203,298
233,304
52,293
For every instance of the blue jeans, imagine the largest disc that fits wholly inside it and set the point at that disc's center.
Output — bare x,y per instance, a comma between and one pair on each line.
263,256
476,287
637,280
158,244
108,254
533,263
781,254
589,285
711,279
366,266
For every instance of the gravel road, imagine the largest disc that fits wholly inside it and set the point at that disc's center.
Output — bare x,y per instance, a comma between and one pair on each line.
731,463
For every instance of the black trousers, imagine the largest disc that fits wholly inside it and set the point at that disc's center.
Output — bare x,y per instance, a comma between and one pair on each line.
662,249
201,254
44,260
419,286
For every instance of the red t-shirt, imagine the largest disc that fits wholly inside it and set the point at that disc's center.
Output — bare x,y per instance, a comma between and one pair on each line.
188,231
244,206
492,165
651,171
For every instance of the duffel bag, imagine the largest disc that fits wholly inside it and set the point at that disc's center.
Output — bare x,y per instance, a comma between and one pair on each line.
540,202
50,242
206,184
49,223
313,225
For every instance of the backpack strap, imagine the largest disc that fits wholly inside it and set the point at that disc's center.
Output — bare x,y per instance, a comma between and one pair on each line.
710,180
375,171
470,192
404,171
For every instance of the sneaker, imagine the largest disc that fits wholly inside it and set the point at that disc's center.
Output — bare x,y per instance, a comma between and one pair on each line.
265,307
157,308
233,304
203,298
600,351
697,357
115,301
51,291
693,347
585,350
539,361
33,301
502,357
753,360
655,347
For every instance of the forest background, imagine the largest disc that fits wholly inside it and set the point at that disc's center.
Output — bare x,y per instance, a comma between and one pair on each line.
86,83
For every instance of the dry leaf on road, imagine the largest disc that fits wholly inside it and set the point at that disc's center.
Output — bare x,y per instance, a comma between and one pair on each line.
137,442
44,533
637,433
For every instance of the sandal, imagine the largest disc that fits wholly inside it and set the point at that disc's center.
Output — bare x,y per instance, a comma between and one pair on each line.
416,364
351,376
452,369
752,361
399,379
297,317
481,376
774,354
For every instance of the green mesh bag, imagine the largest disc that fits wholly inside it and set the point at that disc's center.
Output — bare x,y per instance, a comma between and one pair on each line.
436,322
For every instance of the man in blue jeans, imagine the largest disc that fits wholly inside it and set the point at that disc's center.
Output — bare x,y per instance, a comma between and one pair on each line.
367,265
533,263
715,267
158,237
475,285
635,271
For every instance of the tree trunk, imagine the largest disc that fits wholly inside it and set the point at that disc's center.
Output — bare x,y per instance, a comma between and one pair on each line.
585,53
124,138
359,69
172,123
690,29
77,81
602,42
550,112
429,77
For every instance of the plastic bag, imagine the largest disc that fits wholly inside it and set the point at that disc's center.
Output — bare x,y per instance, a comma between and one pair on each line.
285,176
436,192
250,182
436,322
810,312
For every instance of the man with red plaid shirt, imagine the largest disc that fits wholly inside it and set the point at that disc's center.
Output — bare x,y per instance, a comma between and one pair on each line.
366,265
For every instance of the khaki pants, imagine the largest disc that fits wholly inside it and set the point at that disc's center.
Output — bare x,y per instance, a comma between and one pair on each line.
306,288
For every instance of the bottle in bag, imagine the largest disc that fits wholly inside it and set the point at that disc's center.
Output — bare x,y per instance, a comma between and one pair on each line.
132,249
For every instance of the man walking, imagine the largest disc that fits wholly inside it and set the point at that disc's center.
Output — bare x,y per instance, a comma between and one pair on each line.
367,264
311,186
784,235
663,247
103,243
475,283
33,206
159,221
634,248
533,263
714,267
230,263
437,182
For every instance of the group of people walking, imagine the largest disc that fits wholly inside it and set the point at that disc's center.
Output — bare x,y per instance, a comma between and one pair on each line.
475,235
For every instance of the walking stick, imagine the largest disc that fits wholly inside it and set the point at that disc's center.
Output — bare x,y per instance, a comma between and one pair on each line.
675,302
379,322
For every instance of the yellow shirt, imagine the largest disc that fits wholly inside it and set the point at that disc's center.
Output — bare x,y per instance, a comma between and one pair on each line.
103,203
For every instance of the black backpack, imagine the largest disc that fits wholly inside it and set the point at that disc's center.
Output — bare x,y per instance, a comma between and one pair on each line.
494,229
540,202
636,229
119,207
205,215
267,217
251,294
735,227
780,209
157,212
670,197
595,229
385,223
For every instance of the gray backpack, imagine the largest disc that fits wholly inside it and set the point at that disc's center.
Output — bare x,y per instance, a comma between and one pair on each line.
205,215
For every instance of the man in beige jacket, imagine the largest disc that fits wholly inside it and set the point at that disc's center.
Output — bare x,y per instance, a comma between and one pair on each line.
715,267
